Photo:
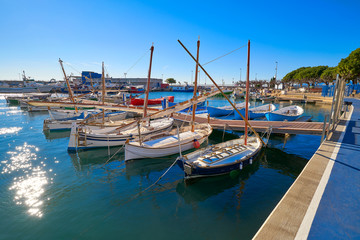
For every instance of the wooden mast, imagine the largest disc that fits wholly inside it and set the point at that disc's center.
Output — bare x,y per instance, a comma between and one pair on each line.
148,82
247,95
103,90
232,104
195,86
67,83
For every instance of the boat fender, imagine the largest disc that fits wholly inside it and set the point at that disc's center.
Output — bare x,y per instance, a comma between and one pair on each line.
241,166
250,160
196,143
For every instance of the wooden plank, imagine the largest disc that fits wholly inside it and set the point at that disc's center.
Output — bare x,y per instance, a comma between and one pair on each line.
309,128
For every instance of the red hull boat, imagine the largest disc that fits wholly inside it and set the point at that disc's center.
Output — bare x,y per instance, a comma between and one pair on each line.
156,101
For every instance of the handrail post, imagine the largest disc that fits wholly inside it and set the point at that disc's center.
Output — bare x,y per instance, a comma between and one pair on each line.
324,128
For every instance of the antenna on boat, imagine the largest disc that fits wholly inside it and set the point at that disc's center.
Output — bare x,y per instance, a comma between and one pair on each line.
257,135
67,83
195,86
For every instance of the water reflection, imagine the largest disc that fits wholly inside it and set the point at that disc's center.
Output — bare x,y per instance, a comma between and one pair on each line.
287,164
200,189
30,181
10,130
51,135
145,167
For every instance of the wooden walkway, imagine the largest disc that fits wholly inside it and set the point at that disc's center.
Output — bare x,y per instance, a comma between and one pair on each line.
293,217
309,128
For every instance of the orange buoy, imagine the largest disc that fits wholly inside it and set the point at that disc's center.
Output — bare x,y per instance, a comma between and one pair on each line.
196,143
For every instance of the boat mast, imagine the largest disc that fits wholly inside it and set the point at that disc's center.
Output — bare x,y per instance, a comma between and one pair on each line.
247,95
217,86
195,86
103,91
67,83
148,82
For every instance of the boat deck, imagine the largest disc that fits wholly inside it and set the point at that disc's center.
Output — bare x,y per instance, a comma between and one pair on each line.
323,202
294,127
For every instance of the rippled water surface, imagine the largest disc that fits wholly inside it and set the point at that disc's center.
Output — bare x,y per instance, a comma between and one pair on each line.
47,193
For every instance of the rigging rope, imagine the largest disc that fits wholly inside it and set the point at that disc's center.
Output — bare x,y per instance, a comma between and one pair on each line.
137,61
72,67
224,55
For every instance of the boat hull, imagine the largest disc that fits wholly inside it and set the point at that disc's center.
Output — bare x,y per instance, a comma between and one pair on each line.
251,115
280,117
217,112
83,140
236,163
140,101
136,152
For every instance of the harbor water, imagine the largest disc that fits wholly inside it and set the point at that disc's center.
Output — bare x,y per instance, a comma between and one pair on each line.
47,193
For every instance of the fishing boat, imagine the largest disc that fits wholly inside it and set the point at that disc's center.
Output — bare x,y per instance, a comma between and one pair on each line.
265,99
93,118
59,114
223,157
186,88
289,113
167,143
29,85
155,101
226,92
237,94
224,111
137,89
256,112
85,137
220,159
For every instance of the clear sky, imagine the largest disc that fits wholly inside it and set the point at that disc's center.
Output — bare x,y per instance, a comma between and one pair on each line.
35,34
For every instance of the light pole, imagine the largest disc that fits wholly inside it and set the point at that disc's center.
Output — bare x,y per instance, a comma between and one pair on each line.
240,74
126,79
276,71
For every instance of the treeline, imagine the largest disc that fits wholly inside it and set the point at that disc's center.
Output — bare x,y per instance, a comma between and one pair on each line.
348,69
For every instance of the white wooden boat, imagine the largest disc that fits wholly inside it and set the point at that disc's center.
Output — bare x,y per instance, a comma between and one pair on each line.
219,159
60,114
110,119
256,112
289,113
86,137
167,143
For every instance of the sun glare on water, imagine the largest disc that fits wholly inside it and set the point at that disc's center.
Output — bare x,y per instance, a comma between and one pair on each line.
29,184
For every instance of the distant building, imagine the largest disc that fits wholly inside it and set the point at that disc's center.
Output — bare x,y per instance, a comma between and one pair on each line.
86,78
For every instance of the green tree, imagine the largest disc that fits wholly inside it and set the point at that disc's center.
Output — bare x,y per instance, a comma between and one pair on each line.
292,77
170,80
329,75
310,75
349,68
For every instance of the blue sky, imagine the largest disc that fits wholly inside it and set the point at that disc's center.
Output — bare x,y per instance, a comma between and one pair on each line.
34,34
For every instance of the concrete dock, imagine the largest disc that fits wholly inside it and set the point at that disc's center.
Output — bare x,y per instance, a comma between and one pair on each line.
324,201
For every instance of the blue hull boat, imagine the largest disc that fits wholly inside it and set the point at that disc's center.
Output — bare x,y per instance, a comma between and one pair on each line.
219,159
290,113
224,111
256,112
